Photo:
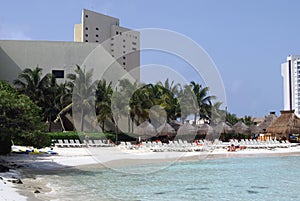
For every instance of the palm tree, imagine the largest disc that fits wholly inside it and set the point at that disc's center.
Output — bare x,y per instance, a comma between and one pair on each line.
31,83
188,102
50,106
119,108
82,89
216,114
248,120
165,98
103,102
173,88
129,92
203,100
231,118
40,89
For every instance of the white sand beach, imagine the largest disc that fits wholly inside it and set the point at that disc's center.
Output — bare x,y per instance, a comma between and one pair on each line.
108,157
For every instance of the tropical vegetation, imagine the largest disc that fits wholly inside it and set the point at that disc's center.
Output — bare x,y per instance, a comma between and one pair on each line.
37,100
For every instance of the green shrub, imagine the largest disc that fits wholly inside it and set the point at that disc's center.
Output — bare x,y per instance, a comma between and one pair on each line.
36,139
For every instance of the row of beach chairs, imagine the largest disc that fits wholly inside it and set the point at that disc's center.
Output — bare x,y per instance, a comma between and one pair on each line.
77,143
205,145
176,146
257,144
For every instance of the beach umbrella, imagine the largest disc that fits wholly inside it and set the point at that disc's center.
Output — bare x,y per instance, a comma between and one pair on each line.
268,121
241,128
175,124
288,123
186,132
145,130
165,129
209,131
223,128
205,129
255,129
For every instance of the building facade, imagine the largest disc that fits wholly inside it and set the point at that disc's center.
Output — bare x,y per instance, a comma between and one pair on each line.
290,71
95,34
122,43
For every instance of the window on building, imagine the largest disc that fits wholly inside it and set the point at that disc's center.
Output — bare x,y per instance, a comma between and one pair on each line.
97,35
112,50
124,57
86,41
97,28
58,73
123,40
124,52
133,43
111,44
124,63
134,48
124,46
86,35
86,16
117,32
86,28
97,41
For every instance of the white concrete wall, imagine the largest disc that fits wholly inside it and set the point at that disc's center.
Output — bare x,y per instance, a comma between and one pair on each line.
96,26
18,55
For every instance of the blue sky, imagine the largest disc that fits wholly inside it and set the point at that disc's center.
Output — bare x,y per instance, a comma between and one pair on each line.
247,39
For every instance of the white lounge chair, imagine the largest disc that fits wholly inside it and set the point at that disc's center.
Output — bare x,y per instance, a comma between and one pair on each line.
72,143
62,143
77,142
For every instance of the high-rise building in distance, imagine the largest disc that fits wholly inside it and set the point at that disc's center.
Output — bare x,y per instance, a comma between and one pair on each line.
290,71
122,43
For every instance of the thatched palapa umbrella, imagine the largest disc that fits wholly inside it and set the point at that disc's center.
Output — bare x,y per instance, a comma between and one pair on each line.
145,130
222,128
165,129
241,128
255,129
268,121
186,132
175,124
208,131
205,129
288,123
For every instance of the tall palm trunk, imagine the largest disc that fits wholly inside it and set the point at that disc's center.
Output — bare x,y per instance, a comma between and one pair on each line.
81,120
128,122
195,118
103,130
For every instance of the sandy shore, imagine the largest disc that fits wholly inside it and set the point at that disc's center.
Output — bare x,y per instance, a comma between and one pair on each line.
33,188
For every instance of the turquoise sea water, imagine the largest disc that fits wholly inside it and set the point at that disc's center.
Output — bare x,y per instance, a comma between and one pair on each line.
269,178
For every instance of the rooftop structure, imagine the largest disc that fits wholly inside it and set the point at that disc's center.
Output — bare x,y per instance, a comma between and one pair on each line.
96,33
